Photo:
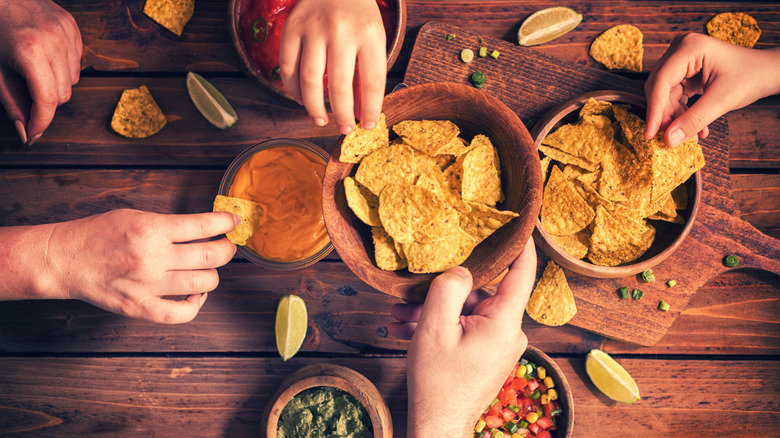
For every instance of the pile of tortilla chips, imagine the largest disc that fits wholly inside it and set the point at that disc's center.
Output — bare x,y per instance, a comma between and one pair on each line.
735,28
429,196
609,181
249,212
619,48
137,114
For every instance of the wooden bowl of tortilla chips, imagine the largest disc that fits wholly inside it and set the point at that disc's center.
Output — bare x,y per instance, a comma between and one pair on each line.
614,203
482,221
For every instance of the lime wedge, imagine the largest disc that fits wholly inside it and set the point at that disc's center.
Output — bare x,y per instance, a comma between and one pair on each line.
547,25
611,378
210,102
292,320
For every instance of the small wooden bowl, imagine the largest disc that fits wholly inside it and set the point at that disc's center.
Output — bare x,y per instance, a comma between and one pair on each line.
475,112
565,397
343,378
669,236
394,44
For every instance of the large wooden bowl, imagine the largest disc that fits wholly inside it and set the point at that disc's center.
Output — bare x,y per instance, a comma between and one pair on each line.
475,112
565,397
394,44
669,236
343,378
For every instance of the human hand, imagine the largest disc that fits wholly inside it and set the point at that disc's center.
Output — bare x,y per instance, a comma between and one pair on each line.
128,261
460,355
346,40
727,76
40,60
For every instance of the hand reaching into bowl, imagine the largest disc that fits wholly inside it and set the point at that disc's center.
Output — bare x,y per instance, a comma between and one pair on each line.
346,39
727,76
40,60
125,261
463,346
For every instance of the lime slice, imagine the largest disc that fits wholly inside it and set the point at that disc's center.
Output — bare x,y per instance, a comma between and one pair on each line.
292,320
611,378
210,102
547,25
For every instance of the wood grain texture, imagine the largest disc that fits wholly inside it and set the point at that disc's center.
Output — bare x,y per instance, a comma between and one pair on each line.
143,396
717,231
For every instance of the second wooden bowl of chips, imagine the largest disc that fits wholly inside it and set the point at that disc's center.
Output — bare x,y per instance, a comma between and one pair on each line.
614,186
475,113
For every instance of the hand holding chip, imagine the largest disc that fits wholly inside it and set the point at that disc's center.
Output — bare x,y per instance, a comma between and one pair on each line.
125,261
460,354
40,60
346,40
727,76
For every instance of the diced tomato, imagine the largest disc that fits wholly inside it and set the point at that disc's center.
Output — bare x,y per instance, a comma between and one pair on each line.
547,408
519,383
544,434
494,411
544,422
542,388
494,422
532,384
507,396
526,403
534,428
508,415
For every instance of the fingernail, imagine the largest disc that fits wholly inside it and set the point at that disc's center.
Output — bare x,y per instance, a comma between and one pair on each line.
236,220
461,271
369,125
34,139
345,129
20,131
203,298
319,121
676,137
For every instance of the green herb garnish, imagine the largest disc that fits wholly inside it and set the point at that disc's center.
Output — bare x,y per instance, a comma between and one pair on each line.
663,306
260,30
637,294
536,394
671,283
478,79
482,52
450,36
494,54
623,292
647,276
731,261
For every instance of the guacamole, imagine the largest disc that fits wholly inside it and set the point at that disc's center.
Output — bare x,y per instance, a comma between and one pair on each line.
324,411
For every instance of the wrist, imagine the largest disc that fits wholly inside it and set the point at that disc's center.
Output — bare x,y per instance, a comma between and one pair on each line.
23,260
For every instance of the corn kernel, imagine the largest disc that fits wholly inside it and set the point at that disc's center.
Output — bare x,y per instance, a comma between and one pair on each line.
553,394
531,417
541,372
548,382
544,399
517,435
480,425
521,370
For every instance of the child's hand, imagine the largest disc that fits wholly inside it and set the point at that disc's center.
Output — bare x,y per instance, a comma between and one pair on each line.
40,60
346,40
727,76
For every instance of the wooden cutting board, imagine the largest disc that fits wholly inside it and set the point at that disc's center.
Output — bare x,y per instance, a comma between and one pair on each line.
532,83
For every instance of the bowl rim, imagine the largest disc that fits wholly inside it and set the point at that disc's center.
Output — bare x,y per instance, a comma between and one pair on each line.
543,239
561,381
224,188
413,287
336,376
393,48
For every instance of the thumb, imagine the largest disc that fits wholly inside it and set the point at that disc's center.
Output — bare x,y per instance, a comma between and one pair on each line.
445,298
705,111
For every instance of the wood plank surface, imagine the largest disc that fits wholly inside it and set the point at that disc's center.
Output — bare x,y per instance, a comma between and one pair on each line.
64,397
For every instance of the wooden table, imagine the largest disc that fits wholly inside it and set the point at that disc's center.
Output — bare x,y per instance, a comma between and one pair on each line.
68,369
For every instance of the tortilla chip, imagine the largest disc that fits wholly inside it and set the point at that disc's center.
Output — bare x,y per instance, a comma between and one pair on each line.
427,136
435,181
481,180
361,142
624,177
564,211
552,302
391,165
619,48
410,213
675,219
593,107
545,163
572,172
586,139
576,245
385,254
440,255
363,203
618,239
456,147
633,130
673,166
735,28
171,14
137,114
567,158
250,213
483,220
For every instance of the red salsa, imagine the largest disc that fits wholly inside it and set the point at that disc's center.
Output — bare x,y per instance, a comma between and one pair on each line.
260,26
526,406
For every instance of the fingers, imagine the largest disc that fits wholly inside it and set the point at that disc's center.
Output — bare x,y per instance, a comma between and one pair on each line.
445,298
167,311
13,95
705,111
515,289
402,330
187,282
43,88
190,227
341,71
202,255
290,61
372,68
312,70
406,312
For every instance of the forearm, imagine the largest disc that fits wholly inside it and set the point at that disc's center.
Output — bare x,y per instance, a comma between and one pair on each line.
23,263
